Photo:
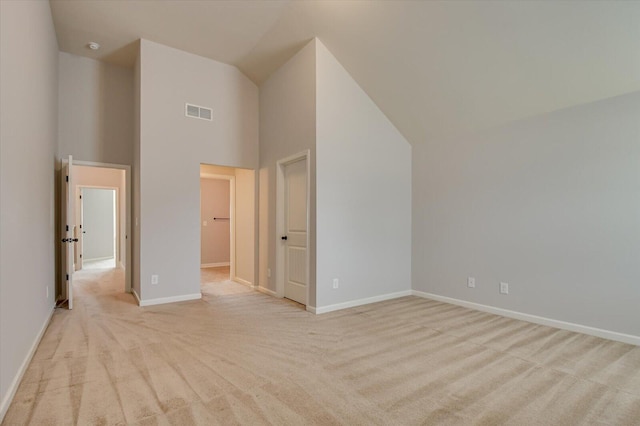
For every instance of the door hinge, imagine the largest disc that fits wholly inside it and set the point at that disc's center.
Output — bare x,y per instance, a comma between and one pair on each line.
81,197
67,178
80,256
67,277
67,228
80,226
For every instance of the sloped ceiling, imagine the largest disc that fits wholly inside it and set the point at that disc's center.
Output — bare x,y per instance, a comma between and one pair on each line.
436,68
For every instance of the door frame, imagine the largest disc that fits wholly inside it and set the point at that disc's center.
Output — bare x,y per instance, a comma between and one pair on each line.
67,256
232,219
280,213
128,269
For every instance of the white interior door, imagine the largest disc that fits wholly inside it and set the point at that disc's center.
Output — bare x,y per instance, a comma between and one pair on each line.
68,230
295,231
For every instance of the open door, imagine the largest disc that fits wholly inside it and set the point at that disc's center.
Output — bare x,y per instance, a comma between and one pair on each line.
67,213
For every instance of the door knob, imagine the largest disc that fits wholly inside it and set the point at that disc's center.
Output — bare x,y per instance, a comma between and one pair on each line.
284,238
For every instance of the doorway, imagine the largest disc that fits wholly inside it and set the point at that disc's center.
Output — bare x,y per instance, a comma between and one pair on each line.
104,215
292,228
227,229
98,243
217,223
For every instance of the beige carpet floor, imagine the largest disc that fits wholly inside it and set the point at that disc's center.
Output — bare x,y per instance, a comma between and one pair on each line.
215,282
242,357
215,275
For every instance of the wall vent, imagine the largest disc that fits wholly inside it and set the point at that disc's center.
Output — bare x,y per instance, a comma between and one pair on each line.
195,111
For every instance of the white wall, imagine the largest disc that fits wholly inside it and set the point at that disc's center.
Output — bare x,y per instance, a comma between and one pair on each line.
135,178
172,147
550,205
287,127
28,89
362,173
363,201
98,223
95,110
215,234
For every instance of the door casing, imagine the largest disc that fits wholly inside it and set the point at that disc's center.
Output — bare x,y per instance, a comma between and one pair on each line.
67,222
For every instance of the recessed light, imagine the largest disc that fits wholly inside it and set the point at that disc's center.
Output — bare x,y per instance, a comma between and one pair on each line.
93,45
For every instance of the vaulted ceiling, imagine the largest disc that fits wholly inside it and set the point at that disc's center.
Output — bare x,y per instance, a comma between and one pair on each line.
436,68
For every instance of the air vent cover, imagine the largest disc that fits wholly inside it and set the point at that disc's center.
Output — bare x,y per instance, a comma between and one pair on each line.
195,111
205,113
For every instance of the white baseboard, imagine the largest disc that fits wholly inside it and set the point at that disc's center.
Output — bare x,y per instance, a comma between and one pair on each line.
95,259
13,387
311,309
136,296
267,291
214,265
358,302
241,281
592,331
163,300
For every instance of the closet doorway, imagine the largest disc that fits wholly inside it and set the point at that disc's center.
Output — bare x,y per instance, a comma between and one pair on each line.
217,216
227,229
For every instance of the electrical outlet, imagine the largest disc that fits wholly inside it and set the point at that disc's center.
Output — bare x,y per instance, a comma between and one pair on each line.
471,282
154,279
336,283
504,288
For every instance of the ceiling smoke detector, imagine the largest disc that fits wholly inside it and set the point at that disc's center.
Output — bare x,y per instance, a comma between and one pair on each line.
93,45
